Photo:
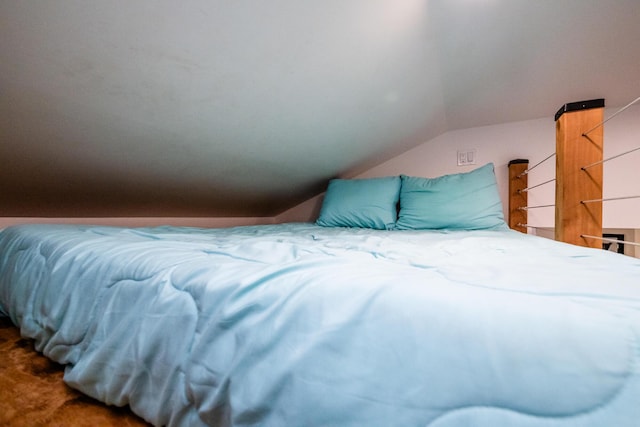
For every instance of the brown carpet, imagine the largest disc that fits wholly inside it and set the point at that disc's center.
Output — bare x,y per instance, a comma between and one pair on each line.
32,392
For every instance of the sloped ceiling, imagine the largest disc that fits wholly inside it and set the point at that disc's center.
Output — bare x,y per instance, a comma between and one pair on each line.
247,107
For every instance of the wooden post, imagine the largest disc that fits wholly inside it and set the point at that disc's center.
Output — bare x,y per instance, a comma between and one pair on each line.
518,199
575,150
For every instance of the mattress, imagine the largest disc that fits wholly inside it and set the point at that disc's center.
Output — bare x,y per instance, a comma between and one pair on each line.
301,325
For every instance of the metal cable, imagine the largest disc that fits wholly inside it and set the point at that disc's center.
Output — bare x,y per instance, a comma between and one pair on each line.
526,171
612,116
584,168
605,239
526,208
524,190
609,199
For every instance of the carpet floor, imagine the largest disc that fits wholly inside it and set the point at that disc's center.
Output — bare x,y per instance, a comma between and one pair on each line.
32,392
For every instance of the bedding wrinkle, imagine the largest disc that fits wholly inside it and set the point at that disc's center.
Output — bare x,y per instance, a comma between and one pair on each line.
234,311
298,324
154,361
269,317
626,391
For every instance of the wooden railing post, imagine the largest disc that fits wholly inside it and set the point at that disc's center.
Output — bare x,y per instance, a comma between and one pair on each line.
518,180
575,150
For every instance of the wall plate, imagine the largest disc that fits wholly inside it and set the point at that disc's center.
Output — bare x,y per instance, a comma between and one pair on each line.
467,157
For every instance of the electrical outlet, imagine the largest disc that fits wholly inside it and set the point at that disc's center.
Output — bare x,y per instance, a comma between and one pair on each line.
462,158
466,157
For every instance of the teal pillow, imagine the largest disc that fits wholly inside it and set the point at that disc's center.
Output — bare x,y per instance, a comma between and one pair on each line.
362,203
467,201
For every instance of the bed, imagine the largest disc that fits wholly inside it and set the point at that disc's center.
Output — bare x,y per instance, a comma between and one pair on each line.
433,317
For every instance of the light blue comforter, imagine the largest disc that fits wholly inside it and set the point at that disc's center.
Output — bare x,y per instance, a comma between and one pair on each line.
299,325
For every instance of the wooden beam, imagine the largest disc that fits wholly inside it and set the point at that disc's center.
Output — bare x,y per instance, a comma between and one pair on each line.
573,184
518,199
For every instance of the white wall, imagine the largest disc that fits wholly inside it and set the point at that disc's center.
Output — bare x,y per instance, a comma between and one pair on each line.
533,140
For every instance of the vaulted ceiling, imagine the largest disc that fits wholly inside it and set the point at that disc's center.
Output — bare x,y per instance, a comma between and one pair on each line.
246,107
